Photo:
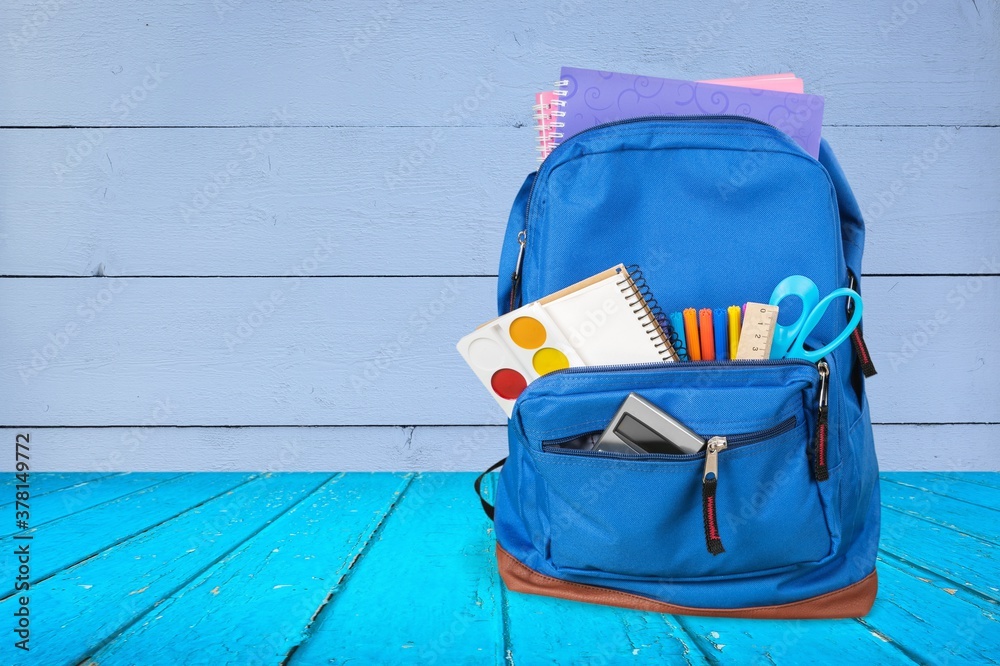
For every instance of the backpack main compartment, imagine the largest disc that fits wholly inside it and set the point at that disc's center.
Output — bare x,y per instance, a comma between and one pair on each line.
715,211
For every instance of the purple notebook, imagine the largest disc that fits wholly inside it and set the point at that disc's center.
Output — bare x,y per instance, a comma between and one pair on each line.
594,97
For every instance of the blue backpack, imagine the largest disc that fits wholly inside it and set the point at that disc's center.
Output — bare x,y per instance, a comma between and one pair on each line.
715,210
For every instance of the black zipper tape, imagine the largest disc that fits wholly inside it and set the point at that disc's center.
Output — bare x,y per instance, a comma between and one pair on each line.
712,538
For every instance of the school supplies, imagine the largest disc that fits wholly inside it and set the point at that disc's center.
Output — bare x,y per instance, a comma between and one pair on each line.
706,332
735,313
789,341
677,324
548,105
587,525
547,112
691,334
785,82
757,335
639,426
593,98
719,324
603,320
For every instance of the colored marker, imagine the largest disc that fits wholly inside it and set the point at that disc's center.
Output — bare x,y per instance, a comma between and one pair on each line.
707,333
721,343
734,329
691,333
677,321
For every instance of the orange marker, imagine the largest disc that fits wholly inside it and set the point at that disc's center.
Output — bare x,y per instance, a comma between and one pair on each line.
691,334
707,334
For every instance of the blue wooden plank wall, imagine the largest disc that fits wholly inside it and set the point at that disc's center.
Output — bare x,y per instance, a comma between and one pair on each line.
242,236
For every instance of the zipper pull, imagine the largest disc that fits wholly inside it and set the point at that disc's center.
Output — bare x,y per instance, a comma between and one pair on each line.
709,483
857,339
820,470
515,289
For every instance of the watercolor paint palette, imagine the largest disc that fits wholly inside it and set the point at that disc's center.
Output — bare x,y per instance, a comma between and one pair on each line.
512,351
604,319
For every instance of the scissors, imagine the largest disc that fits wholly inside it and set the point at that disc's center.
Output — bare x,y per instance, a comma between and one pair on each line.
789,341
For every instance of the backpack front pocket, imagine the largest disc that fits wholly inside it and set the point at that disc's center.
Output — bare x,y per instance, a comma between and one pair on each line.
748,503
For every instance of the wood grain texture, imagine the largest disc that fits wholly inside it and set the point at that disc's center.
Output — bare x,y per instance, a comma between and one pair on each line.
426,591
390,63
52,505
97,528
372,139
363,568
380,351
946,550
926,617
599,635
335,201
945,485
51,482
412,449
933,505
128,578
728,640
284,572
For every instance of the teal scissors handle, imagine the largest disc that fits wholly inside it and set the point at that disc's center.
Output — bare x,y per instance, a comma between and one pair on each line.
799,351
807,291
789,341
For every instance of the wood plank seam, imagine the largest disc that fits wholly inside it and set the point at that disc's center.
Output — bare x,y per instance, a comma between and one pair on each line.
508,654
985,607
115,499
342,581
904,650
94,649
696,639
56,490
969,480
938,523
902,562
123,539
938,494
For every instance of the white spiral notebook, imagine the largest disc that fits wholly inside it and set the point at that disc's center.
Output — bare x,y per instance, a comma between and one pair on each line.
607,319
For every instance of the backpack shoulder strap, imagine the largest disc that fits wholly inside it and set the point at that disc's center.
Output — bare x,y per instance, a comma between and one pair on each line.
478,484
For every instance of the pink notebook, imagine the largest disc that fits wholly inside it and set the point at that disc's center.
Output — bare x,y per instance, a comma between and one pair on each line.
548,135
550,105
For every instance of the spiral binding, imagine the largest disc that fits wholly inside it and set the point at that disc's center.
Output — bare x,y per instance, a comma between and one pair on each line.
649,312
547,118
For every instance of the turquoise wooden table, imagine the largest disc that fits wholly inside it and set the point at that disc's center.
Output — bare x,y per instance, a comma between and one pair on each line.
311,568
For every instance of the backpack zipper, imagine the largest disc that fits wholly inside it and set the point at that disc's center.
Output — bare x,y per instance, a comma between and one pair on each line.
676,366
820,468
734,441
857,338
709,476
522,236
709,484
515,289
